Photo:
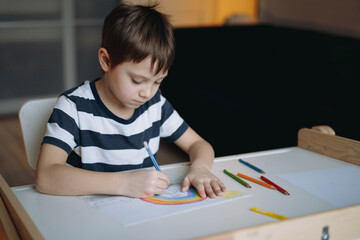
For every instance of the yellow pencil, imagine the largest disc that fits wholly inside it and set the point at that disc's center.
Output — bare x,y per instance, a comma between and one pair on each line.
256,181
270,214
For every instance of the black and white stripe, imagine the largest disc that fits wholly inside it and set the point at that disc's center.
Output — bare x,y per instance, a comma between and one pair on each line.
96,139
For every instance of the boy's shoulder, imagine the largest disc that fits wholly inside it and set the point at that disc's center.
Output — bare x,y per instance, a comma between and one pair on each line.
157,100
84,90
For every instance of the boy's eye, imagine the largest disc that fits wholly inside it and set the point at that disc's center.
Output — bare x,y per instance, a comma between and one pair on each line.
135,81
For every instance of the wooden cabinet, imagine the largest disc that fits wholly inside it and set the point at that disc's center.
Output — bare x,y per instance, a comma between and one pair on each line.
194,13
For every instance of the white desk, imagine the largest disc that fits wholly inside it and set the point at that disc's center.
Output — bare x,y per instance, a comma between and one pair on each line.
60,217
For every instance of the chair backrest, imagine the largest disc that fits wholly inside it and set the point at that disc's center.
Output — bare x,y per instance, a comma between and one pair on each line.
33,116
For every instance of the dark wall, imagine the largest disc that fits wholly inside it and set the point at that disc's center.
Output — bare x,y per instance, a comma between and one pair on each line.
251,88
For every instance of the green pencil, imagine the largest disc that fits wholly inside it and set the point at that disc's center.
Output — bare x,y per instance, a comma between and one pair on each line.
237,179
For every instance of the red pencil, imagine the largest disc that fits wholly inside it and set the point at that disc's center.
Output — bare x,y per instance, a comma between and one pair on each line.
277,187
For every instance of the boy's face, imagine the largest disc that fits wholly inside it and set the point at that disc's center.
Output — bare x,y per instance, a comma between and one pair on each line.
132,84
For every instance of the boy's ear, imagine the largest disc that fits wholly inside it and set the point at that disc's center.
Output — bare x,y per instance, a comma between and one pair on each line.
104,59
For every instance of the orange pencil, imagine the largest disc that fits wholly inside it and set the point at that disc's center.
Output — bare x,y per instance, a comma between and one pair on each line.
256,181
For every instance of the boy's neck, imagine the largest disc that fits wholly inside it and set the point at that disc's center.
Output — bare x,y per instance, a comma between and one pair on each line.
110,101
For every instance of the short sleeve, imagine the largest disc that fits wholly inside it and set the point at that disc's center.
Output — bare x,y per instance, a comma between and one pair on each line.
173,125
62,128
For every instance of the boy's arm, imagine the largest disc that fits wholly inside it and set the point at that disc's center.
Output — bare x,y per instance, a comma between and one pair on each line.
53,176
201,157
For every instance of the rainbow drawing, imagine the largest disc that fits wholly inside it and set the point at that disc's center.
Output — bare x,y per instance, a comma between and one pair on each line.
174,196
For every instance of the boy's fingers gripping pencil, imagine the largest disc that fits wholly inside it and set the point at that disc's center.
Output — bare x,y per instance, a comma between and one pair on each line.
251,166
237,179
277,187
151,156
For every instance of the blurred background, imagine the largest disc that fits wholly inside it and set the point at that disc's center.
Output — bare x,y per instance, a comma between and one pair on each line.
48,46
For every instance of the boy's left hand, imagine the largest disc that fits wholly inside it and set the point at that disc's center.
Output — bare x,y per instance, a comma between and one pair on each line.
206,183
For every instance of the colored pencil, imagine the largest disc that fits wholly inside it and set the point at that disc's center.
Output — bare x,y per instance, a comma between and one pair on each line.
280,189
268,213
256,181
252,166
151,156
237,179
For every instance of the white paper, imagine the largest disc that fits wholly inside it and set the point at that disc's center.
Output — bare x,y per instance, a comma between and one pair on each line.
338,186
129,211
173,192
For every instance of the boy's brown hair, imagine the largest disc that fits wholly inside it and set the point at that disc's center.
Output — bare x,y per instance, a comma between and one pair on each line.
134,32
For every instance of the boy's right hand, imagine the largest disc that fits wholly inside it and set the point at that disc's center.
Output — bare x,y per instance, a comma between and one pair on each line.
145,183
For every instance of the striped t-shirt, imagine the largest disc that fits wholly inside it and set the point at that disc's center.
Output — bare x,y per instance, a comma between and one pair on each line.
98,140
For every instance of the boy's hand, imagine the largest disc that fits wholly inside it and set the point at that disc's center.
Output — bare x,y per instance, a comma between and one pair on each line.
145,183
206,183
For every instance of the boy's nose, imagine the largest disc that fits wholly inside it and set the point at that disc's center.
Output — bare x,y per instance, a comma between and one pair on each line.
145,92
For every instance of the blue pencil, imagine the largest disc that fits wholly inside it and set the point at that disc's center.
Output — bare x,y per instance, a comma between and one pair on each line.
151,156
251,166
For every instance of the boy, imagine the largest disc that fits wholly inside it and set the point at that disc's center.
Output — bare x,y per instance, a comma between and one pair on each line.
97,130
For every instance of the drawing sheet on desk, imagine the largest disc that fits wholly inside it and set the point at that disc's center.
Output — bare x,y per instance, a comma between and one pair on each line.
338,186
130,211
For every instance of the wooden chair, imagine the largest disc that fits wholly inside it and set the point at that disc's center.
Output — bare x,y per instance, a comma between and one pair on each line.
33,116
322,140
15,223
